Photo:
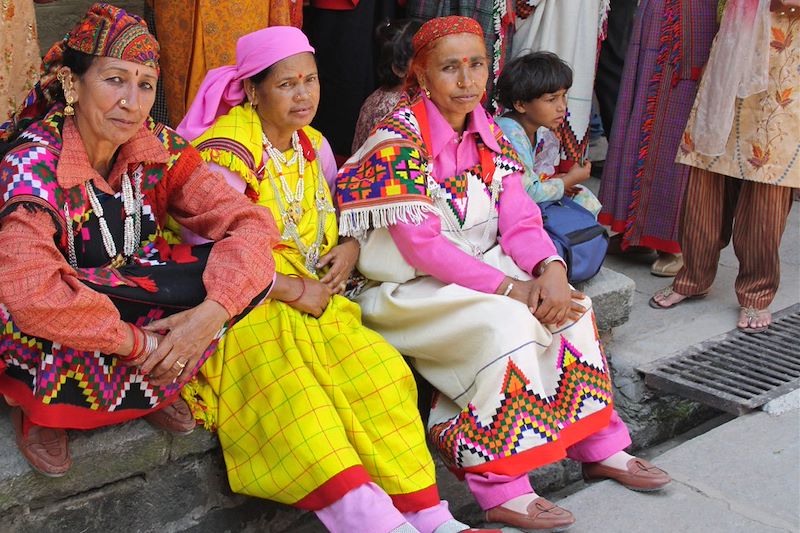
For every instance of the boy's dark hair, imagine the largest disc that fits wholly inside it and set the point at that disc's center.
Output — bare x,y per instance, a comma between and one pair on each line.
530,76
394,49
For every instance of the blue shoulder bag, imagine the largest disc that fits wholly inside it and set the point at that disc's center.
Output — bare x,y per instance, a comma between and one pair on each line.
579,239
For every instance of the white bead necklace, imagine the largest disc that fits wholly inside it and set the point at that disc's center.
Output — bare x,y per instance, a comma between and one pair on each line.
132,200
439,196
291,216
294,200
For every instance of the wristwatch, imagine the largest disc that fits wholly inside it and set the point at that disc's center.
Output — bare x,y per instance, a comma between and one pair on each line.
539,270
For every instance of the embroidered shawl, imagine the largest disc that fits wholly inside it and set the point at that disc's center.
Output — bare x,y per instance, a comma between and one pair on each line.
28,174
390,178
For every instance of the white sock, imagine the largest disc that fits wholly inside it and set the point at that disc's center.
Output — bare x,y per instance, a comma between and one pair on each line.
451,526
520,504
619,460
405,528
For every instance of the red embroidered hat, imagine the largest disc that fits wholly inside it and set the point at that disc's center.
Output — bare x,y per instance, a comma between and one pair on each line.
109,31
439,27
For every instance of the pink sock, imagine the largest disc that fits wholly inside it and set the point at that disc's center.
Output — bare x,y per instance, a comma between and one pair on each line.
365,509
491,490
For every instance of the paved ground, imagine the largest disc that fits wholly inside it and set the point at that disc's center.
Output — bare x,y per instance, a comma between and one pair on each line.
652,333
742,476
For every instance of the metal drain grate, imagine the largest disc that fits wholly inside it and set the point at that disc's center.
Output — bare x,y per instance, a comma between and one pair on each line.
735,372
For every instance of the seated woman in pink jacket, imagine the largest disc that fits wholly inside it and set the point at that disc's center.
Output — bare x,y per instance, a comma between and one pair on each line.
465,281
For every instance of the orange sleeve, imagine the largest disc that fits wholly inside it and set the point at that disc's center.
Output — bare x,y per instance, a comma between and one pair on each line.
241,263
41,291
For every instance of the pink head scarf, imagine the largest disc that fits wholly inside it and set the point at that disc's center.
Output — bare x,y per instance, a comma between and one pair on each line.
222,87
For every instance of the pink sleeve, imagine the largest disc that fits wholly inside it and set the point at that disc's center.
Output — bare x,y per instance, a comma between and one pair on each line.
424,248
522,232
234,180
327,163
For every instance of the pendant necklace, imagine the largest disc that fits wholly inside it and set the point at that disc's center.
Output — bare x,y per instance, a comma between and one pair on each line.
292,211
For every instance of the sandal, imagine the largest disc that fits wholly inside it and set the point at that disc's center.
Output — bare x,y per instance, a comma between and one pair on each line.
751,313
667,265
666,292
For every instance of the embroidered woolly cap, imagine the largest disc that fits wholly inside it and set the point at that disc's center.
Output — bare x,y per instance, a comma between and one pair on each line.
442,26
109,31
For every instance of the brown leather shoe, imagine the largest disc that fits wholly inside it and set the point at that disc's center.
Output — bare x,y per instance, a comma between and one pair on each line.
46,449
641,475
543,516
175,418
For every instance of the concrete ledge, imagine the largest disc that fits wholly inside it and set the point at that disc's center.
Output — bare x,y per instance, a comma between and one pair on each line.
612,297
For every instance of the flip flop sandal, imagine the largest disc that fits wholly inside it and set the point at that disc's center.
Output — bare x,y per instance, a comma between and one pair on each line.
667,266
751,313
666,292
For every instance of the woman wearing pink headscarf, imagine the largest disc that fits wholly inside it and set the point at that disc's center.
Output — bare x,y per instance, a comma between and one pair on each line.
312,408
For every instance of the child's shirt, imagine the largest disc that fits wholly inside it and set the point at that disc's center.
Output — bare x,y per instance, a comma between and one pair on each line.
540,163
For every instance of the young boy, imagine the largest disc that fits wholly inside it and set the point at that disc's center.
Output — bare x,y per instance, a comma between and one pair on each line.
533,90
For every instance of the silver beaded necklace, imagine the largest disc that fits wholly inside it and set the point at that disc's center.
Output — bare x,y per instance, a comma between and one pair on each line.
132,201
291,212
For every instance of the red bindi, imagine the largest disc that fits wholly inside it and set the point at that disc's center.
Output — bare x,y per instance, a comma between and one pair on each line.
464,59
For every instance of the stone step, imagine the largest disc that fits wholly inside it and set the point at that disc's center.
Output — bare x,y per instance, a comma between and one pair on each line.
142,479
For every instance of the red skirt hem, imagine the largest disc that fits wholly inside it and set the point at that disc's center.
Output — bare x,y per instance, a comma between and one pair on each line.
416,501
333,489
551,452
656,243
65,416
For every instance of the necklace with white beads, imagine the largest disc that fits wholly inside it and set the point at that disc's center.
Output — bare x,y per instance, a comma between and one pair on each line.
290,216
132,201
293,199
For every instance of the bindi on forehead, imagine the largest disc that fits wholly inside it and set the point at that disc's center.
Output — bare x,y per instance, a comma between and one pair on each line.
465,60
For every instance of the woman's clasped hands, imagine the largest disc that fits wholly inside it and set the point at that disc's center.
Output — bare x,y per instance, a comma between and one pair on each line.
341,260
182,340
549,297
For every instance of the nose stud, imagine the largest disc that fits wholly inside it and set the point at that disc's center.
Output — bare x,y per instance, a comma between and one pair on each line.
123,102
460,84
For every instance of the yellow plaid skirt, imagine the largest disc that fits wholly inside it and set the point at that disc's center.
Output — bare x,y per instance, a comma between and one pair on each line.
307,409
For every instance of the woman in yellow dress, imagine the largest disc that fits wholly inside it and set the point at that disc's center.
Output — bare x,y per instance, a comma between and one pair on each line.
312,408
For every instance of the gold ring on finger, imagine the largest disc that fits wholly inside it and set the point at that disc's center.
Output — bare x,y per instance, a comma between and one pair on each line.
180,364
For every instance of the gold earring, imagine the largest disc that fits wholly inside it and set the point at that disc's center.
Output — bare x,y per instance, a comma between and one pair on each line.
426,91
68,109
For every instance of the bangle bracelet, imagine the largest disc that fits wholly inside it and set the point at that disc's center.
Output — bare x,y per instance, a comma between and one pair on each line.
137,346
508,290
151,344
302,291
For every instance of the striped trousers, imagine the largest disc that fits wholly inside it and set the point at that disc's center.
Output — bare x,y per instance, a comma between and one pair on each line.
718,207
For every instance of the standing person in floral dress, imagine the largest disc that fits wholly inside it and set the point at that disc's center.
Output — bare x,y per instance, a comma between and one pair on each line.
742,145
